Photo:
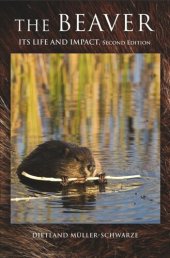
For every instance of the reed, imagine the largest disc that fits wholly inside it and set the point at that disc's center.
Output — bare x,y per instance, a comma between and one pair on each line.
75,96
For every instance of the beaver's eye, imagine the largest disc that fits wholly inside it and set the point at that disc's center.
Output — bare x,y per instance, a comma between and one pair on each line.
77,159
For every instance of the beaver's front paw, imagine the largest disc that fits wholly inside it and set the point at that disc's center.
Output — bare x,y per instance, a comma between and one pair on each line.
64,180
102,179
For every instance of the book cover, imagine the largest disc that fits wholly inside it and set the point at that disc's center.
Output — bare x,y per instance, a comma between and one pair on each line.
84,128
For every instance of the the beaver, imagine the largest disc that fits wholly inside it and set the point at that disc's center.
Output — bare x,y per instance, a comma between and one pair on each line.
60,159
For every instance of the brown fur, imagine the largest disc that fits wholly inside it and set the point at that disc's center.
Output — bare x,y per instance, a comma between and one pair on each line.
153,241
57,159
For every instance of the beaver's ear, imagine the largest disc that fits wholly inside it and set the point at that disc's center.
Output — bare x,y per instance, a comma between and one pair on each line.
66,151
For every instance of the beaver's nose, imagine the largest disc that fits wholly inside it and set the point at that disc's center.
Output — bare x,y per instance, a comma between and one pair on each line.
91,167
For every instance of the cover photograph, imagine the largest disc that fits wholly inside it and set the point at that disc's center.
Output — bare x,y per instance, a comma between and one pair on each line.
106,102
84,129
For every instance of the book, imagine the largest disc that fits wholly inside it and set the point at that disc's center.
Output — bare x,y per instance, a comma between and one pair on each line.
89,74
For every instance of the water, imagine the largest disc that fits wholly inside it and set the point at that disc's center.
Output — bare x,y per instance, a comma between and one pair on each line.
122,130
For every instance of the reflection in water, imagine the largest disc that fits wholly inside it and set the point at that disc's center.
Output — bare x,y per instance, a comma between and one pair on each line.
107,102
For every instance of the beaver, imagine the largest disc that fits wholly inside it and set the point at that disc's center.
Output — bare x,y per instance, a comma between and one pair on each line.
59,159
